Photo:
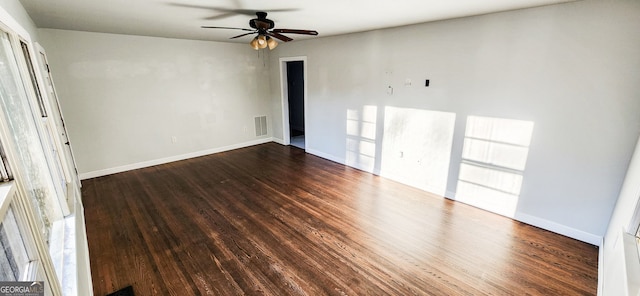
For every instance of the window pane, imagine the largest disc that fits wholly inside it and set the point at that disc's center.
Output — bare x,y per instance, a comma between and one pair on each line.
34,81
14,259
32,165
5,170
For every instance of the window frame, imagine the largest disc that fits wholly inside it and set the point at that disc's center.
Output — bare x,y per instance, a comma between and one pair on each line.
43,268
10,202
6,173
31,77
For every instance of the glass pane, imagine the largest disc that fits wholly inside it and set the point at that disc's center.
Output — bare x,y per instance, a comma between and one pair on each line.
32,165
5,170
34,81
14,259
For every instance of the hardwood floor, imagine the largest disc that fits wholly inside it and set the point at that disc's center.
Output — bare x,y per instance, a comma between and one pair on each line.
272,220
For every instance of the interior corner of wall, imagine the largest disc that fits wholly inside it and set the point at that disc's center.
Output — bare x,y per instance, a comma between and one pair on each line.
558,228
277,140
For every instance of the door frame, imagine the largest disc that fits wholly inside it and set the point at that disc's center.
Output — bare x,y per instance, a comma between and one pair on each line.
285,97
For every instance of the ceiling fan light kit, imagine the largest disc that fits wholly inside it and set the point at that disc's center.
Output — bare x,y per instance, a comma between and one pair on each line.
272,43
261,41
266,34
254,43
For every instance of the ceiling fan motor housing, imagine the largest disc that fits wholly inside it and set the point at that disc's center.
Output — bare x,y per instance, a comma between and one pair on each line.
261,23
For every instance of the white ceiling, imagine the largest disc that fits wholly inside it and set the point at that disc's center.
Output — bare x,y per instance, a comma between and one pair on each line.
183,18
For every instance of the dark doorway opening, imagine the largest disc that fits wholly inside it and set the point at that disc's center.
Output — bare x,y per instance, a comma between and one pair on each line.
295,91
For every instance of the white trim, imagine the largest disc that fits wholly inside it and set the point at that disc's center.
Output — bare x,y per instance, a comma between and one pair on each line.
580,235
279,141
631,263
83,277
284,96
50,98
343,161
326,156
46,136
7,191
57,245
13,25
601,268
450,195
144,164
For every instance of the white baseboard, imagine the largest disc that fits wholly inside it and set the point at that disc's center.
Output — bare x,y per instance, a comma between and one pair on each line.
144,164
601,268
325,156
450,195
340,161
559,228
277,140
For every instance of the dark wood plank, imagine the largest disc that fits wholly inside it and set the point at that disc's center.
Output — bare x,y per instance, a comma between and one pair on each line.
273,220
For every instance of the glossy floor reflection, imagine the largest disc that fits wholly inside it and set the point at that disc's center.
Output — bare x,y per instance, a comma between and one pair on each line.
274,220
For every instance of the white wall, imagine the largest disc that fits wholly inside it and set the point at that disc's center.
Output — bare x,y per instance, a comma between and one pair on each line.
125,97
571,69
17,12
614,274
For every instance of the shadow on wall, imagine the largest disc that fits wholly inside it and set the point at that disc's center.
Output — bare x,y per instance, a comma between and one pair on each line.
416,150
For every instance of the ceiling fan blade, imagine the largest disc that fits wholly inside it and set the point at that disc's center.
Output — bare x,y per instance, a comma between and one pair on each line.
218,17
294,31
283,10
241,35
251,12
228,11
194,6
247,12
230,28
279,36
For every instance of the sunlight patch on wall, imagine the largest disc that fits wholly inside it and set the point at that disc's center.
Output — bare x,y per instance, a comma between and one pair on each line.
494,158
361,137
416,148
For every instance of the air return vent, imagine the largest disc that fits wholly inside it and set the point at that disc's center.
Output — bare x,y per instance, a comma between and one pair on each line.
261,126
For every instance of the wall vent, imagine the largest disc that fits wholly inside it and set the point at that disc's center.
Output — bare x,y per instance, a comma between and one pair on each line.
261,126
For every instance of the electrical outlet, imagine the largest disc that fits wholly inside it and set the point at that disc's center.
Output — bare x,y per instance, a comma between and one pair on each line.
174,139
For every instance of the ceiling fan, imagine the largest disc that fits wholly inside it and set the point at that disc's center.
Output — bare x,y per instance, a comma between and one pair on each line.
264,28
